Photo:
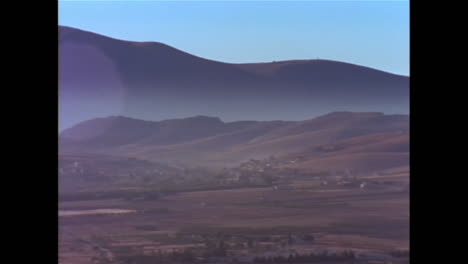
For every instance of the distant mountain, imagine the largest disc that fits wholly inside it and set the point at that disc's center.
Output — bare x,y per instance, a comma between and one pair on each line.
203,140
101,76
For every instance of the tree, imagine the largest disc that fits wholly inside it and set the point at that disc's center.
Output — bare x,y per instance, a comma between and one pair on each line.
309,238
250,243
290,239
268,179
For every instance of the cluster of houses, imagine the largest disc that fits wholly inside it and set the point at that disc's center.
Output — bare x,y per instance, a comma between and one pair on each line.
256,171
97,170
270,171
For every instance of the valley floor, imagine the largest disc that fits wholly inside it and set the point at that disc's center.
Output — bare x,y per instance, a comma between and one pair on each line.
245,225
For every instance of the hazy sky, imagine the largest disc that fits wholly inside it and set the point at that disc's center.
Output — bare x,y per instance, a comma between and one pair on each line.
372,33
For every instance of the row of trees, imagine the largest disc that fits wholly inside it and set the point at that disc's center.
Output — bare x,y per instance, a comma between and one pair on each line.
189,256
308,258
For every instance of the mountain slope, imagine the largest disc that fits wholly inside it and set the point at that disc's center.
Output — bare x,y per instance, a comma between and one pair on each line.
210,141
377,151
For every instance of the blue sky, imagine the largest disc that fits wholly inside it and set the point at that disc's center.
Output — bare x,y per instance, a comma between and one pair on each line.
372,33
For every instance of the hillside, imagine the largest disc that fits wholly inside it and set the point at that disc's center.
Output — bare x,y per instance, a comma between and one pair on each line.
209,141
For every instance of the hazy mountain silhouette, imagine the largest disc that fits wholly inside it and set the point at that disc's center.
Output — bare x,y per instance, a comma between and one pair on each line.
101,76
210,141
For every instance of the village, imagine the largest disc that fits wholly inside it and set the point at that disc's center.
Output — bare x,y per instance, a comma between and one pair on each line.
254,173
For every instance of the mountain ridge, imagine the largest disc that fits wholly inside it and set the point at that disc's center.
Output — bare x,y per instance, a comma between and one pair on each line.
211,141
103,76
65,30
